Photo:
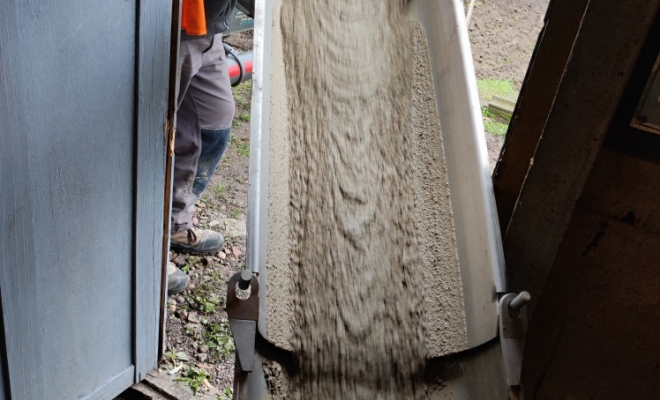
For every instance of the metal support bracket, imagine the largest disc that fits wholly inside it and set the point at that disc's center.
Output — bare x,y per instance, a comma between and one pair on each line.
513,328
243,314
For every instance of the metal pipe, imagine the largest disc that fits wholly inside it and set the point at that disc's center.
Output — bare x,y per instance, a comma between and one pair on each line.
245,58
518,303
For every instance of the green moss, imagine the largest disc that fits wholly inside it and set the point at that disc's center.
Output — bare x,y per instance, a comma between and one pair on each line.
496,128
496,87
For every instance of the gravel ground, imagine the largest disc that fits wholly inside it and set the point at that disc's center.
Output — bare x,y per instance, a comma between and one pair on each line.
198,337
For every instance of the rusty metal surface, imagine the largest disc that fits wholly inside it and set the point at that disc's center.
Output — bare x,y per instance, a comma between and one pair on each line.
243,314
243,309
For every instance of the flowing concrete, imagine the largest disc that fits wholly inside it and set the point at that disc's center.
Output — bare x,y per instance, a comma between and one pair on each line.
444,318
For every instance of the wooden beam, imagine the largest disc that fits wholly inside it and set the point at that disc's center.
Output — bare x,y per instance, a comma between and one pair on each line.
152,89
536,99
18,257
604,54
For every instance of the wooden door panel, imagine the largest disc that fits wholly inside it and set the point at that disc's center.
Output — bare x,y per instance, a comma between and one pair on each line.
83,106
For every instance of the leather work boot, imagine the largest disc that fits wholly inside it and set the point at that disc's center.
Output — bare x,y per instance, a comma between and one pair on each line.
197,241
176,279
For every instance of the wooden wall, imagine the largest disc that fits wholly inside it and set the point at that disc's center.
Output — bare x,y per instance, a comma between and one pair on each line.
594,334
581,210
83,103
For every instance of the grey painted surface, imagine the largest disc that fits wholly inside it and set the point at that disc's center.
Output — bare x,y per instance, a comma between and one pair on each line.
114,386
16,228
82,177
152,106
3,353
81,181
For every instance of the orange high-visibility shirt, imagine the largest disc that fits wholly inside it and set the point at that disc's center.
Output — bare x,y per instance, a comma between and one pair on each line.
193,19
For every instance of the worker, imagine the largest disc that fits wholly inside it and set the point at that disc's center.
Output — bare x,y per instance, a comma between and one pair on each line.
205,110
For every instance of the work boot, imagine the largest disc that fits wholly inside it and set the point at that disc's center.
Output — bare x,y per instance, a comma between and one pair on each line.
197,241
176,279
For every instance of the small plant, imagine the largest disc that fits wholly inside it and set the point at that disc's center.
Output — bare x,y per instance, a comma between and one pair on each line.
496,87
173,356
207,305
496,128
486,113
219,340
245,117
235,213
186,268
220,190
243,89
242,95
244,148
242,145
493,124
193,377
229,394
242,104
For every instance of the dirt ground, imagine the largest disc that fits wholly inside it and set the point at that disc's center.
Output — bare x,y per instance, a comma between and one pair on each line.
198,341
503,34
199,347
241,41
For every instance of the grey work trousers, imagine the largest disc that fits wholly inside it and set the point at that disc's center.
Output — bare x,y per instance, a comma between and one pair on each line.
203,123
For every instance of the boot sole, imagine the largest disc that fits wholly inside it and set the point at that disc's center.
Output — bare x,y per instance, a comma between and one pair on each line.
191,250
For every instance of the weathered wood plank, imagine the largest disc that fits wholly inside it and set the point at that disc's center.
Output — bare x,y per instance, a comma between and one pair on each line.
153,68
77,222
17,254
624,188
501,106
594,335
536,99
4,382
169,158
79,74
113,387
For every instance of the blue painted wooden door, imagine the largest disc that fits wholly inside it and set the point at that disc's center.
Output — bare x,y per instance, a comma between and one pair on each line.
83,108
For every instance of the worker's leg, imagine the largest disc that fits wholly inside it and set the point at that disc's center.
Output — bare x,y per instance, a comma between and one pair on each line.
186,148
215,102
203,126
187,145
